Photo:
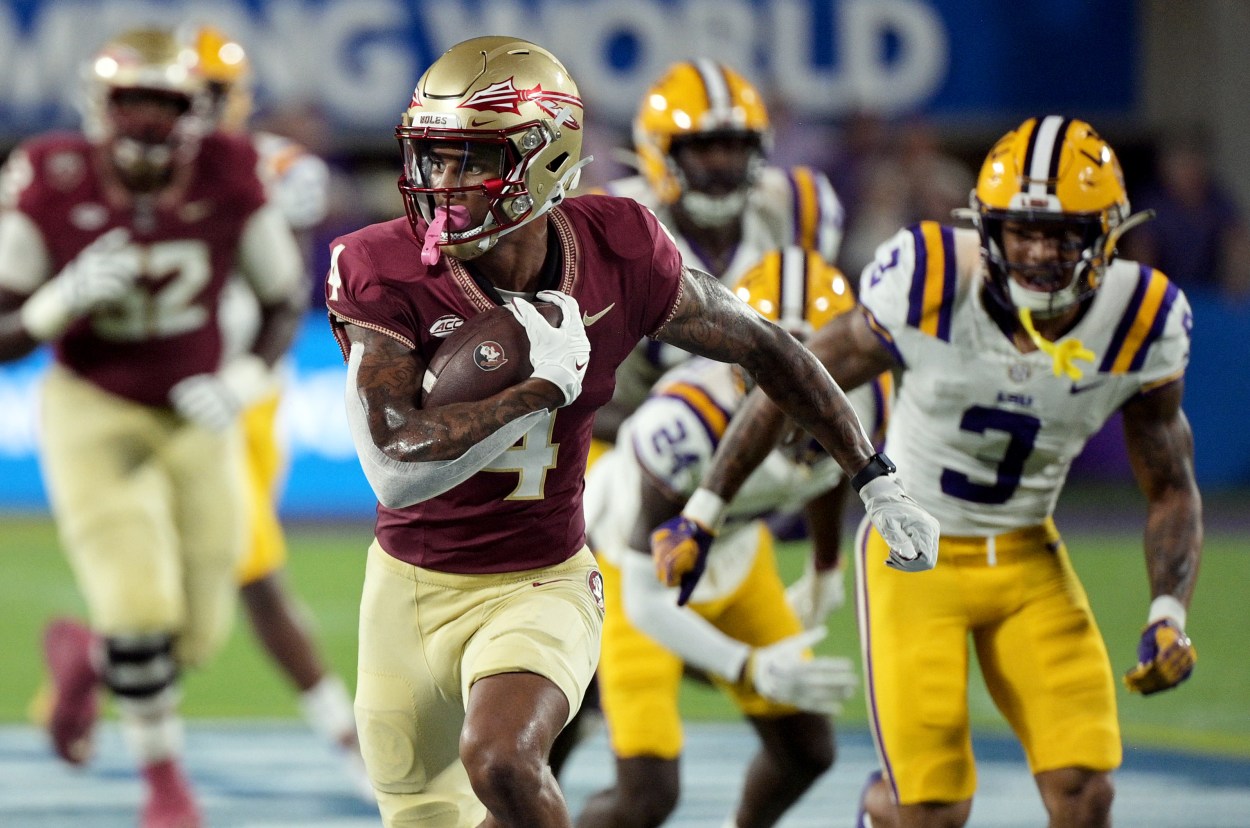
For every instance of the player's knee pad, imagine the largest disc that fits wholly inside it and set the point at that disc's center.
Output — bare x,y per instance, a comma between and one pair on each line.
140,666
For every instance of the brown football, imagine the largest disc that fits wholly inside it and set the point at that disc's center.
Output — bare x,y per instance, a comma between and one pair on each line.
485,355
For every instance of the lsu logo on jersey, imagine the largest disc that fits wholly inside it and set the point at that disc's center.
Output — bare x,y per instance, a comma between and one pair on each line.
489,355
445,325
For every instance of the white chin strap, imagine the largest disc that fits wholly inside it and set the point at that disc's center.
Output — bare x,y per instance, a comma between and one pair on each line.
714,211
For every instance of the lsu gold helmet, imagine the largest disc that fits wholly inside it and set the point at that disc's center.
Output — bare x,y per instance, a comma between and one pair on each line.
797,289
495,116
696,101
146,104
1056,175
227,71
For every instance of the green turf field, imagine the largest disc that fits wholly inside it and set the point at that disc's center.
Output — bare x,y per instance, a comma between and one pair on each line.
1210,713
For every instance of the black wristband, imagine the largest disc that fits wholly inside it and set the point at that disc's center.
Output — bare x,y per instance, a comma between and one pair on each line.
878,465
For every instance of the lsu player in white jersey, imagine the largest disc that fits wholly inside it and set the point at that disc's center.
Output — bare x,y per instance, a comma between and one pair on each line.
1015,341
702,136
740,626
298,184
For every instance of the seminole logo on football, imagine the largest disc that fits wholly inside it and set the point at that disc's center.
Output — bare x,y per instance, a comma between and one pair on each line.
489,355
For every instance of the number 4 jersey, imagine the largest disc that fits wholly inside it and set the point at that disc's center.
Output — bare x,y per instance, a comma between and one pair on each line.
983,434
524,509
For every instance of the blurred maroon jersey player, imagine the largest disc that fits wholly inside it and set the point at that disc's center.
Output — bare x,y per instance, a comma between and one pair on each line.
115,248
74,200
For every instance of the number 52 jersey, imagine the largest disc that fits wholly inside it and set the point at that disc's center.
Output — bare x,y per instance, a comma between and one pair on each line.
983,434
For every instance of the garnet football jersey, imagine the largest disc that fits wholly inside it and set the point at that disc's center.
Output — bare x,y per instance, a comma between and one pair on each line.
524,510
165,329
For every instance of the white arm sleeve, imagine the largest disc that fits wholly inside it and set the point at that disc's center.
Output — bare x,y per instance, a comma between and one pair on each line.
269,258
652,608
398,483
24,260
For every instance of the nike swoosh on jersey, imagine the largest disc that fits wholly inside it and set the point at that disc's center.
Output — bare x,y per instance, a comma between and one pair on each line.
588,319
1080,389
549,581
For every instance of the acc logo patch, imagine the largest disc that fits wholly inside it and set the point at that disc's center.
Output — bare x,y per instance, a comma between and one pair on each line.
444,325
594,582
489,355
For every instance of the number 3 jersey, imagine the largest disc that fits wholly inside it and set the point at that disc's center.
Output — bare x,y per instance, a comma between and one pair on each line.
983,434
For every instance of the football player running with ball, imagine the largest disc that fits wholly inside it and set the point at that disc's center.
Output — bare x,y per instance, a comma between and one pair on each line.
1016,342
115,247
482,606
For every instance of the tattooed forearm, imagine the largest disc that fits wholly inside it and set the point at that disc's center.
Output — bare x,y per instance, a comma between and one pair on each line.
389,381
712,322
752,433
1160,445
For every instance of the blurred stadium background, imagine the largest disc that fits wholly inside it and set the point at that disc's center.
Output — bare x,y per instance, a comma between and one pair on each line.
839,75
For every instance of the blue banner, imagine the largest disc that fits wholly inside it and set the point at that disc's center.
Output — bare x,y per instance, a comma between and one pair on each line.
356,62
324,478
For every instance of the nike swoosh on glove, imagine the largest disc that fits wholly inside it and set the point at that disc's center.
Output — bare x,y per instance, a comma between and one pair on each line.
910,531
559,354
1165,658
679,548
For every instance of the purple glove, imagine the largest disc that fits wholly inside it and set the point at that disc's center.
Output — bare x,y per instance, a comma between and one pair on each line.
1165,658
679,548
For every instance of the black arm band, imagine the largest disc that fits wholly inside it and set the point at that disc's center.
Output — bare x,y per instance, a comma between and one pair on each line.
878,465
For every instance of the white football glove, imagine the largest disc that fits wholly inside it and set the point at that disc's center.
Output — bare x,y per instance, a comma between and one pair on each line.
816,595
559,354
214,401
910,531
103,272
784,673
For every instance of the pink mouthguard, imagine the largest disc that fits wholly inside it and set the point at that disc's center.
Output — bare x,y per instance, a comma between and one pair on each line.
457,216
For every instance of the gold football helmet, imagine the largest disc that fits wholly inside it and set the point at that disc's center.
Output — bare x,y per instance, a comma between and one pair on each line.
797,289
693,101
1055,173
226,69
147,104
508,115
